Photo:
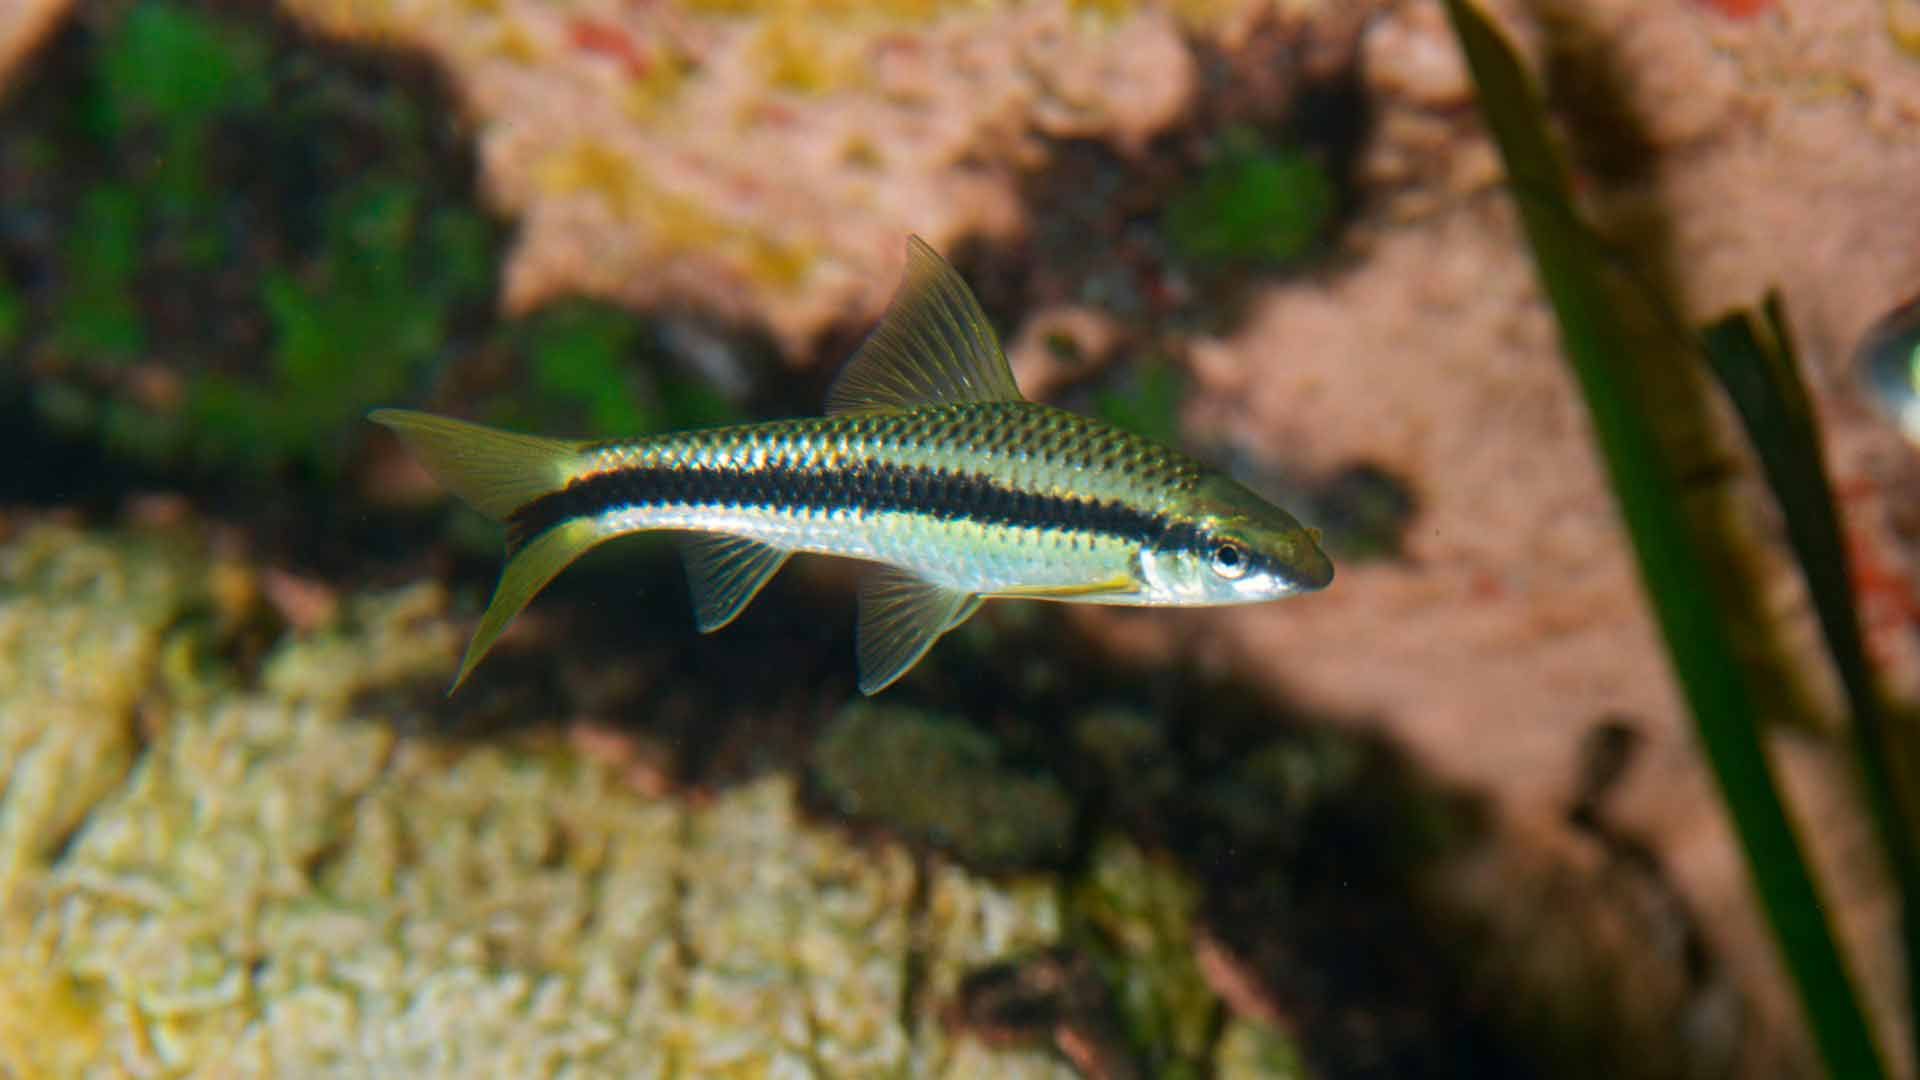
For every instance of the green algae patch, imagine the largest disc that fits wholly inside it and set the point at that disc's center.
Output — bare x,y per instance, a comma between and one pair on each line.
1144,399
250,240
1135,914
172,65
1255,201
936,780
578,353
1247,1050
12,313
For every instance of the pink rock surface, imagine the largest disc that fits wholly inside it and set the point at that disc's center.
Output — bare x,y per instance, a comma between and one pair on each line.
1779,151
764,162
24,24
765,167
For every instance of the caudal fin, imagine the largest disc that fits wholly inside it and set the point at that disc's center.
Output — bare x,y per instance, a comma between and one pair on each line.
499,472
494,471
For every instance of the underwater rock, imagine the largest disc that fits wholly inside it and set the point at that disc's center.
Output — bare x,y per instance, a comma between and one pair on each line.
632,140
1137,912
934,779
270,878
1515,619
84,632
23,26
241,206
1248,1050
1060,345
1128,750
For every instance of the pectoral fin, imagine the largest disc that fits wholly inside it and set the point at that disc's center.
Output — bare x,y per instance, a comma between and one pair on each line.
725,573
901,617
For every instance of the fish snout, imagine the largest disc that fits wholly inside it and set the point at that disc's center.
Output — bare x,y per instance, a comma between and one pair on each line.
1309,570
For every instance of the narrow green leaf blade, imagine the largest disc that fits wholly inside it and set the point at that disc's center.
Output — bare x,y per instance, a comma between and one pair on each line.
1671,563
1752,355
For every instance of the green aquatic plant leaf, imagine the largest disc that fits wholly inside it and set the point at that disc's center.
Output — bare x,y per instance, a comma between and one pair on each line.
1672,563
1752,355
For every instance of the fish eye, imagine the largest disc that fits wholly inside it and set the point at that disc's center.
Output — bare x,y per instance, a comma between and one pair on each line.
1228,559
1888,357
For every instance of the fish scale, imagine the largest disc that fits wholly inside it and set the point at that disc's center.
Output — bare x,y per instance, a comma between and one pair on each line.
904,487
929,463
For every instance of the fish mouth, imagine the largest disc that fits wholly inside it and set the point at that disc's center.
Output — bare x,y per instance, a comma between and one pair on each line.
1312,571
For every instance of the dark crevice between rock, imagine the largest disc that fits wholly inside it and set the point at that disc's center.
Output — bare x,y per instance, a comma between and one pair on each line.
1607,754
914,964
1056,998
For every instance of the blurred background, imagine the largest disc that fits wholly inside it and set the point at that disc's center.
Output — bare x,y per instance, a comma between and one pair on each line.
1448,818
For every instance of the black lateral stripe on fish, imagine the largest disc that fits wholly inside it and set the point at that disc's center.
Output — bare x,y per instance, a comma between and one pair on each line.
929,463
950,495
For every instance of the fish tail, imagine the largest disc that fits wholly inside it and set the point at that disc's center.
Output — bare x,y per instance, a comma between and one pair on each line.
496,472
499,473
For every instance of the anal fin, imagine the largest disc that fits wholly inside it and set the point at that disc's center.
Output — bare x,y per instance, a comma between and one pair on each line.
725,573
901,617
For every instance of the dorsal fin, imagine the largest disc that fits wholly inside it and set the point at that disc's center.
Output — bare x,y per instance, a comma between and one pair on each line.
933,346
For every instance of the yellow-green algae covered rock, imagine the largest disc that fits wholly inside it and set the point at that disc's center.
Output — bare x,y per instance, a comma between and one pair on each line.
206,878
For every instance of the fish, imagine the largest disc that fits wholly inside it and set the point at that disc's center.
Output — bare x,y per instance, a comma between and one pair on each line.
1888,363
927,463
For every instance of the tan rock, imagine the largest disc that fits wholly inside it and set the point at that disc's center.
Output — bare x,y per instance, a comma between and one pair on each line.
764,162
1771,156
24,24
282,883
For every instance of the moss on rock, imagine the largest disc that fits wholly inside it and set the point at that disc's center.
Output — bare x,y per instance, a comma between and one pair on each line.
934,779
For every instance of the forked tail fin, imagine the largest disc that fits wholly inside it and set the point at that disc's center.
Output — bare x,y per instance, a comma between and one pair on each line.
494,471
499,472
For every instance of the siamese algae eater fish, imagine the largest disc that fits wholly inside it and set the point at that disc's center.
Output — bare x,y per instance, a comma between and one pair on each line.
928,463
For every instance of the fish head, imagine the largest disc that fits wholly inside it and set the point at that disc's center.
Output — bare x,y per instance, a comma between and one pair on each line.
1230,546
